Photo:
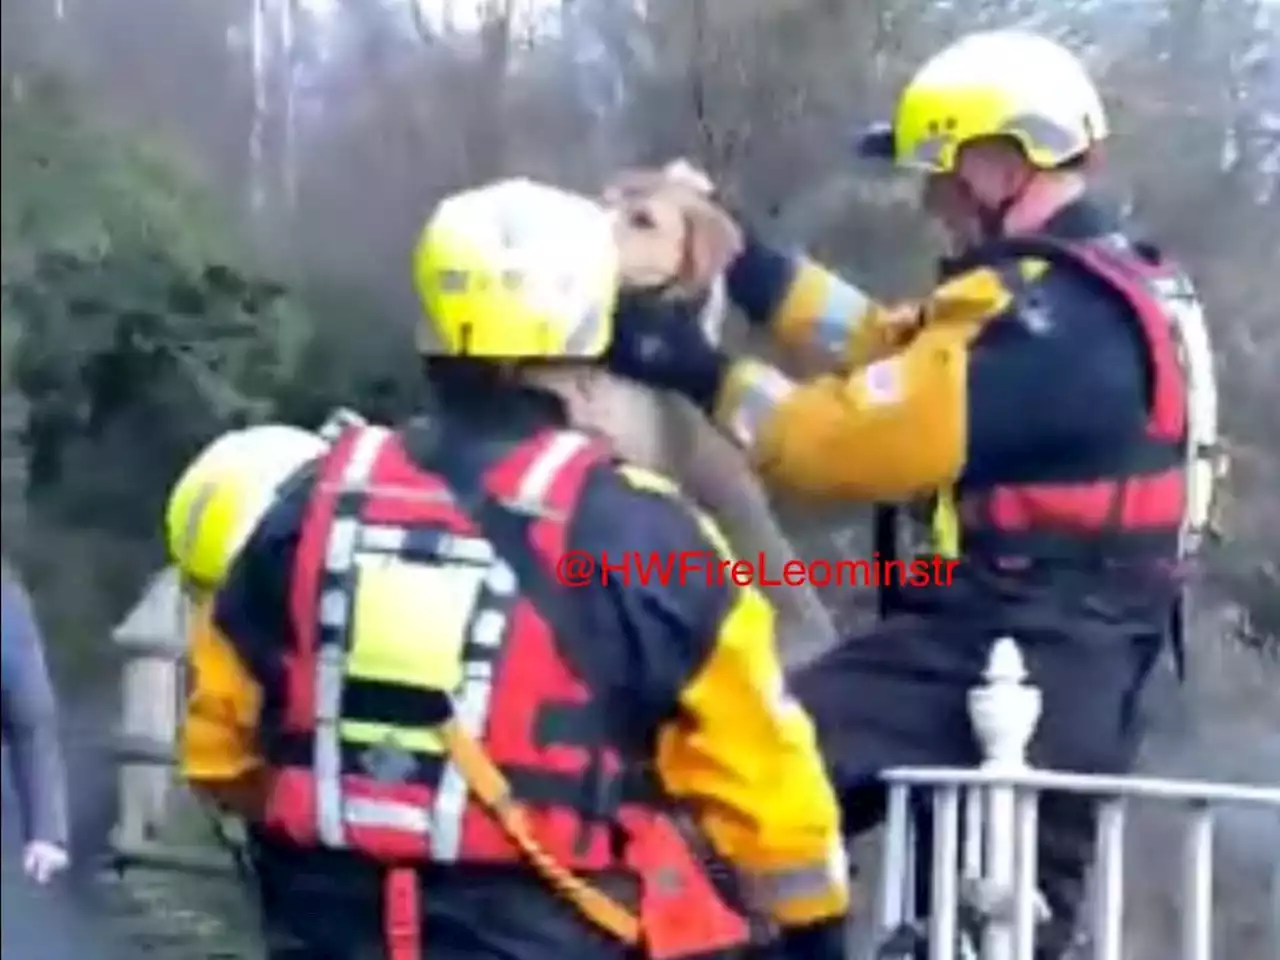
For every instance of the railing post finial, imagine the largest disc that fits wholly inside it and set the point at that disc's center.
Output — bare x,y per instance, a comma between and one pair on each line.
1005,709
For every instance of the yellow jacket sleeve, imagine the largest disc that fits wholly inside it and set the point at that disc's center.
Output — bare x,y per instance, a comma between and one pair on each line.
746,756
892,430
823,317
222,709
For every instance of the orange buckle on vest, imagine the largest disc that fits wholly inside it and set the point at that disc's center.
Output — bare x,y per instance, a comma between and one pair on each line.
402,914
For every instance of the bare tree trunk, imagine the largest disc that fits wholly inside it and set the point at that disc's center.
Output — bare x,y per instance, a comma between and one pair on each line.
487,154
289,10
258,129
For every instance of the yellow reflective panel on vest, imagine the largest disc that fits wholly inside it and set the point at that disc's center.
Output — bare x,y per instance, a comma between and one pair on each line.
409,627
945,525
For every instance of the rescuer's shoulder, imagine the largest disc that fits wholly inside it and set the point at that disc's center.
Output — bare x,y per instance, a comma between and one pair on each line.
1041,299
252,601
664,612
283,521
626,507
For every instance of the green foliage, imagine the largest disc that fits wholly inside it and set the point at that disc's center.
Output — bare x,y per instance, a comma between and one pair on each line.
129,339
75,187
136,330
137,335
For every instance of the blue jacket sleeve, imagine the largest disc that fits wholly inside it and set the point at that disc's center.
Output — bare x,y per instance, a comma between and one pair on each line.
252,605
28,710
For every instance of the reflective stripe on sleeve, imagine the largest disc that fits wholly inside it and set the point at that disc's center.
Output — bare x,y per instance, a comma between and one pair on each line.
752,392
805,893
843,311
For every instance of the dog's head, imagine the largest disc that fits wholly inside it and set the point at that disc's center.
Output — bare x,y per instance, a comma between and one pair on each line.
674,240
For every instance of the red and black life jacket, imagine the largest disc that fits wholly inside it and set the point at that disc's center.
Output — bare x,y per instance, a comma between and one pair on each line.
1130,509
586,797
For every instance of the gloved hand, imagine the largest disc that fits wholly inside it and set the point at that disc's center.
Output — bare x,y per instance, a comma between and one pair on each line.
660,342
42,861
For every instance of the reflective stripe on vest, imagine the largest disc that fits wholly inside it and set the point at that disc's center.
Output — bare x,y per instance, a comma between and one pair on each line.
1135,510
334,615
355,510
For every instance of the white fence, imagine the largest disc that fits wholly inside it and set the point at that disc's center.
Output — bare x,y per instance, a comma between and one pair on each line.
151,641
982,866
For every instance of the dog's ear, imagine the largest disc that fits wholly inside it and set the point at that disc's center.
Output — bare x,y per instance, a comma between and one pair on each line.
713,241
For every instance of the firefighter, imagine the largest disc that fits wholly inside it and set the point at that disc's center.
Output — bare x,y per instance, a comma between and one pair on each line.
458,756
1053,398
217,500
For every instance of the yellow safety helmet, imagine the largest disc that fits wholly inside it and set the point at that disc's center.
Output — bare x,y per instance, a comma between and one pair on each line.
225,491
990,84
517,270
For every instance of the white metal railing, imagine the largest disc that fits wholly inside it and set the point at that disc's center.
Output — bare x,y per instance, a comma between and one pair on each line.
985,831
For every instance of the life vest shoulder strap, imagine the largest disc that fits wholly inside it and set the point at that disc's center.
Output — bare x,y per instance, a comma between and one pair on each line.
1111,253
349,462
543,478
